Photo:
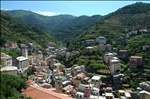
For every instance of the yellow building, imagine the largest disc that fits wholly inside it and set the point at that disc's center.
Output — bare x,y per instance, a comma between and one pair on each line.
144,94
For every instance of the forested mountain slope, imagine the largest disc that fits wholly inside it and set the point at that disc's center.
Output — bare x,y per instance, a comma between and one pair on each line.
62,27
14,30
118,23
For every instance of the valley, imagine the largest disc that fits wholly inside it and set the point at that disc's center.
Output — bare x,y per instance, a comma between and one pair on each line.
102,57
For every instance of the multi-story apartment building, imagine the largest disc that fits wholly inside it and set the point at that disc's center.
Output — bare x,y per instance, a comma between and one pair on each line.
114,66
135,61
22,65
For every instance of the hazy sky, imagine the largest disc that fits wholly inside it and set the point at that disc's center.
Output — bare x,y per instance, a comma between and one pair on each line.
76,8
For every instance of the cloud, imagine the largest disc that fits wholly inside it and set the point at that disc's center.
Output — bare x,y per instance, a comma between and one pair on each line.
47,13
6,9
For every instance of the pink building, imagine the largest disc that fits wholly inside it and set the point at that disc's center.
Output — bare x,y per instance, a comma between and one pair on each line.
135,61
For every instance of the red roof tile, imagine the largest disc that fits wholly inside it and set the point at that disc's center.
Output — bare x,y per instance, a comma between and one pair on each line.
46,86
41,93
80,75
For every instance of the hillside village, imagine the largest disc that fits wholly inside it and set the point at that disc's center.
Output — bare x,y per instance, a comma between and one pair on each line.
47,76
70,57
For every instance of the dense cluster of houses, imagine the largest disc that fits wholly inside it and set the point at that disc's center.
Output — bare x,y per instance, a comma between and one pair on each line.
52,80
20,67
138,32
99,43
113,61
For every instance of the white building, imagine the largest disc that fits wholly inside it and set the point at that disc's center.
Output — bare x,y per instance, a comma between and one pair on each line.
96,80
23,65
6,60
12,70
59,67
68,55
79,95
82,87
145,85
40,55
24,50
144,94
107,57
122,94
89,49
101,40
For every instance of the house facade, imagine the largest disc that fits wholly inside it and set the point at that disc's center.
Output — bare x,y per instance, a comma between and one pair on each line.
107,57
122,94
135,61
96,80
6,60
123,54
89,42
114,66
12,70
89,49
101,40
108,47
144,94
22,65
101,47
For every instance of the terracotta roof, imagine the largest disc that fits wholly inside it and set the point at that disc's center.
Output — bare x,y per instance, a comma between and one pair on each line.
89,80
41,93
46,86
80,75
86,78
41,73
75,65
29,82
69,88
136,57
109,88
128,91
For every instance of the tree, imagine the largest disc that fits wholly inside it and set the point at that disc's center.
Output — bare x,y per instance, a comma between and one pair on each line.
10,86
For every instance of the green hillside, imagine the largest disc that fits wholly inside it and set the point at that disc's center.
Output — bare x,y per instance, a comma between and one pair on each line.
48,23
62,27
115,25
76,27
14,30
135,45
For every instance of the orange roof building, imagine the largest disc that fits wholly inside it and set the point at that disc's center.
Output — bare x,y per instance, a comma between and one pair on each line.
81,75
42,93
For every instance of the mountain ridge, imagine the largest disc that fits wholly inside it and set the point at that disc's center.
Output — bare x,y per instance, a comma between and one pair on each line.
14,30
120,21
56,25
115,25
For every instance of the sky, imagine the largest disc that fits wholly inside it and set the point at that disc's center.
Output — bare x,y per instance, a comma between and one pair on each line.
75,8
